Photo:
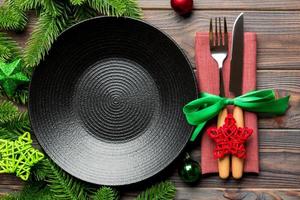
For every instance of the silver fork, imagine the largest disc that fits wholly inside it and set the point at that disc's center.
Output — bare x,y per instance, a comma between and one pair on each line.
219,47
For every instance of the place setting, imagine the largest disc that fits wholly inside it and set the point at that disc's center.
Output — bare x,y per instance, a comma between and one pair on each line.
113,101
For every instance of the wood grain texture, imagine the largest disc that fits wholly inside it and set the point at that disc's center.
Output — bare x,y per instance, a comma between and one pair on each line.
230,4
277,24
196,193
280,146
278,33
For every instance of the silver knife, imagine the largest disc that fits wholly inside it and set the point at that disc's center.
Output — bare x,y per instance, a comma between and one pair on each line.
237,59
236,84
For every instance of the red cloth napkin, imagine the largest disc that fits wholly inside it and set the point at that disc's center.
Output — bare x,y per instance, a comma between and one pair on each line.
208,79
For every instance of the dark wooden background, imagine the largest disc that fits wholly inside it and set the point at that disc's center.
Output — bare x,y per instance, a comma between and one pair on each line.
277,24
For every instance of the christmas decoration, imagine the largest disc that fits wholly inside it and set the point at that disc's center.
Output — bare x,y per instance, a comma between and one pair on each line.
18,156
11,76
203,109
229,138
189,171
182,7
9,51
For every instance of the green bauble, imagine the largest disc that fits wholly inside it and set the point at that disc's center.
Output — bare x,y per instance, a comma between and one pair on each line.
189,171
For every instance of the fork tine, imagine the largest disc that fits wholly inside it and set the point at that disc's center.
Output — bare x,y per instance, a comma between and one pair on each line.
211,35
225,33
220,32
216,32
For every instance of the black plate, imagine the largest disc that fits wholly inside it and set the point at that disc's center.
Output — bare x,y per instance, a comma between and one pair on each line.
106,102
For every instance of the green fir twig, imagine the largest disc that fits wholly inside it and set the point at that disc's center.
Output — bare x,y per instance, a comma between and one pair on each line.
162,191
13,123
9,49
62,185
106,193
11,16
47,30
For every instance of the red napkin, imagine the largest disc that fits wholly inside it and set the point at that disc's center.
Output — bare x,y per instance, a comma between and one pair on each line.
208,79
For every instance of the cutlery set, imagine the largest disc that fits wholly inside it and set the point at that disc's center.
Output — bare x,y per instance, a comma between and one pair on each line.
218,42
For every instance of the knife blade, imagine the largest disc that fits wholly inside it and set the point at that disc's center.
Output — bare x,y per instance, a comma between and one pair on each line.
236,84
237,56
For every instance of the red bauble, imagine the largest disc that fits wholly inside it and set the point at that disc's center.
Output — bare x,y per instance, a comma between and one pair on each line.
182,7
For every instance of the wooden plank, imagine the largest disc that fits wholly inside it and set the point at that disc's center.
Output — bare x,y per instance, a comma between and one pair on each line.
286,82
279,158
278,33
232,4
197,193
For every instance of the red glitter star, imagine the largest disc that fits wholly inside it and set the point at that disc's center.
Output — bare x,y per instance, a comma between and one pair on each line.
229,138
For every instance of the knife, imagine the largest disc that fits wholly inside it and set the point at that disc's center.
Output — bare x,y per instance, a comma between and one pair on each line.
236,84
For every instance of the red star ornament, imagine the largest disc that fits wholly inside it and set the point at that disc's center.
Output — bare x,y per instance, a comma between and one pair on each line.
229,138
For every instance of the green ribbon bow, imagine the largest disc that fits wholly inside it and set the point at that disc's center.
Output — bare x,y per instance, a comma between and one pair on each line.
199,111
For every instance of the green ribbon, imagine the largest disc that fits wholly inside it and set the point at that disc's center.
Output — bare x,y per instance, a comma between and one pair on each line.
199,111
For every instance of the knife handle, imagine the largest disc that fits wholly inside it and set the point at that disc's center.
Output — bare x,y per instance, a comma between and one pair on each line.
238,163
223,163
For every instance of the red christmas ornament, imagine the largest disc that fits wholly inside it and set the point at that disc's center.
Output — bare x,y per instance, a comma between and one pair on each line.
182,7
229,138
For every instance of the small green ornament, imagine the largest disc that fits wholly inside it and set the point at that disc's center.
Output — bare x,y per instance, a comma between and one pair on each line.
18,156
189,171
11,76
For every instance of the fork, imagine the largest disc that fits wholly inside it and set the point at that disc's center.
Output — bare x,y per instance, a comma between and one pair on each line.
219,47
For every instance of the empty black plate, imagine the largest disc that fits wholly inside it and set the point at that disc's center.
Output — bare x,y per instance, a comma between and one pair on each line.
106,102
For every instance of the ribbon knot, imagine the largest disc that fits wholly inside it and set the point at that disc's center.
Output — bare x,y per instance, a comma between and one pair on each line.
201,110
229,101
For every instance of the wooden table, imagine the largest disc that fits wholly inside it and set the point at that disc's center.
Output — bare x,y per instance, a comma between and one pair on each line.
277,24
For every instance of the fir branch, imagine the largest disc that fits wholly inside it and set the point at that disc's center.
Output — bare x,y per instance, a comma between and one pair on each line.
40,170
13,123
108,7
62,185
21,96
46,31
53,7
83,12
132,9
31,191
162,191
8,111
11,17
106,193
26,5
9,49
77,2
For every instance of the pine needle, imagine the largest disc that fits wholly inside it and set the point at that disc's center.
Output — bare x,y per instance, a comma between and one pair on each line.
53,7
162,191
7,111
31,191
62,185
77,2
11,17
9,49
46,31
83,12
108,7
26,5
132,9
13,123
106,193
